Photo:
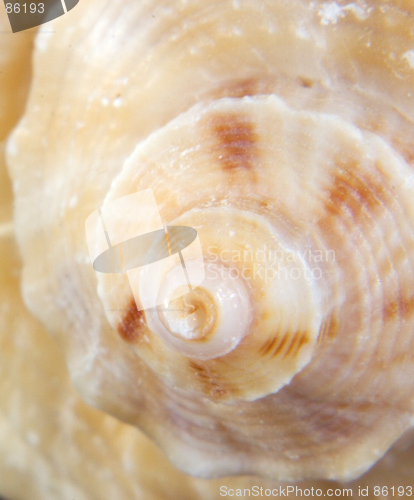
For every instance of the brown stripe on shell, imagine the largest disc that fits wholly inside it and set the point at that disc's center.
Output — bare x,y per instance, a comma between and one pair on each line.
211,382
280,347
353,192
274,346
270,345
403,306
303,340
349,202
355,197
236,142
133,324
329,328
298,340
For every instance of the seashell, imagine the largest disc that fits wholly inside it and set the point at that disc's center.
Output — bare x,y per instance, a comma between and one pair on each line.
292,359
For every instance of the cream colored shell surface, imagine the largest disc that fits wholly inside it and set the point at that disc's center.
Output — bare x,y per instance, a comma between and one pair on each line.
270,126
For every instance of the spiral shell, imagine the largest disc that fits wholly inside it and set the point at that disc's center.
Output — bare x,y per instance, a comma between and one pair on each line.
279,132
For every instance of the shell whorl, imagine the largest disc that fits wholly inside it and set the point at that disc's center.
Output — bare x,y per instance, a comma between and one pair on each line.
260,300
293,358
301,200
